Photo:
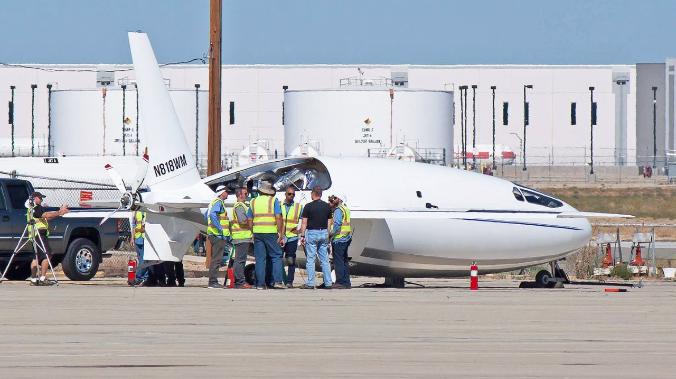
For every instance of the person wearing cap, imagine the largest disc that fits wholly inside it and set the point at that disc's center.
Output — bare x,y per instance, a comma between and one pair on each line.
291,212
139,225
314,235
218,233
266,214
242,236
341,237
40,230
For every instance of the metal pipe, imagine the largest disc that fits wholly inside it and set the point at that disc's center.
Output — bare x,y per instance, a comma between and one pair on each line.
49,120
124,115
591,130
525,122
12,88
474,126
137,118
197,123
33,87
493,90
654,127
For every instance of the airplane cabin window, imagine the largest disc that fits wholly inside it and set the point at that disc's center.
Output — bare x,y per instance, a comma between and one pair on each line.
517,194
540,199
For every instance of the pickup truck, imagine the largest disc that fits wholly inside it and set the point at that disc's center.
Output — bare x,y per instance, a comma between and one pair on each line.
77,244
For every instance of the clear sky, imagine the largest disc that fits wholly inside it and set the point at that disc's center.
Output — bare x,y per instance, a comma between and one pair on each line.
345,31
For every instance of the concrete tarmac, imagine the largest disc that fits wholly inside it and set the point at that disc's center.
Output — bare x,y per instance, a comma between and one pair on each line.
103,328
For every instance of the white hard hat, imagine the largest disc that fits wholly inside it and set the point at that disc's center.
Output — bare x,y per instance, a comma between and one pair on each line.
220,189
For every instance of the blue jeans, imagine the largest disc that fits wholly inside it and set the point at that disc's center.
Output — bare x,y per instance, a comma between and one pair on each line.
141,273
317,243
341,262
265,245
290,254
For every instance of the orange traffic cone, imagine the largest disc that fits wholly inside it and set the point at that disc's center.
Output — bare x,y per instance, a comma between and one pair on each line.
638,259
608,259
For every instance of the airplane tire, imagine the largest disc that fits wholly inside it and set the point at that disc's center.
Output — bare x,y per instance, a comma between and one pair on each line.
542,279
250,273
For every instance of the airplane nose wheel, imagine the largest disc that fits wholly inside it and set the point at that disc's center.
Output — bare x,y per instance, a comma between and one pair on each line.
544,279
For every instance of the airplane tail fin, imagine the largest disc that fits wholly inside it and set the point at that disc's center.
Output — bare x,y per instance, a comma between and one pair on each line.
171,165
167,238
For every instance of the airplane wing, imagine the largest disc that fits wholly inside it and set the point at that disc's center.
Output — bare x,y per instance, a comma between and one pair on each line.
591,215
188,204
167,238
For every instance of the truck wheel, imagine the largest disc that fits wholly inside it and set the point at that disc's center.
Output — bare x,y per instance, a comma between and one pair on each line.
81,260
19,271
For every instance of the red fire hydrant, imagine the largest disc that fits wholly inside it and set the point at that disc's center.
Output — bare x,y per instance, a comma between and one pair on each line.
131,272
473,277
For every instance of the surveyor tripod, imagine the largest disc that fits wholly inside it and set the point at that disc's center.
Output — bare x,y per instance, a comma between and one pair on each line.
31,235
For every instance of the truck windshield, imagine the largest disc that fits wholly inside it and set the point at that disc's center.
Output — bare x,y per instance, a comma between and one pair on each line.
18,194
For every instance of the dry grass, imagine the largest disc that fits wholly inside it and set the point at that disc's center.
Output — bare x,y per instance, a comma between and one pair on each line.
658,202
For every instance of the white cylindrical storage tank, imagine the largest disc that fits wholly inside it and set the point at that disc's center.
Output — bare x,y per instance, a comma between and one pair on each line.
360,122
78,121
252,154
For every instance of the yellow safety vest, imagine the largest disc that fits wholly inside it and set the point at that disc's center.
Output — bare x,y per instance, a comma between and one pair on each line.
222,218
140,218
292,221
40,223
345,228
238,232
263,209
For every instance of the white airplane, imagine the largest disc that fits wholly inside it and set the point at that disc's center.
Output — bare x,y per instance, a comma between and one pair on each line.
409,219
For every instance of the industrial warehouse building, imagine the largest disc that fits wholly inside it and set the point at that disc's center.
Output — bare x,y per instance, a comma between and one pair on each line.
349,110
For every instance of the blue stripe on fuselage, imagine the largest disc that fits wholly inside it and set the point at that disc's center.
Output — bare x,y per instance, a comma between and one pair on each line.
522,223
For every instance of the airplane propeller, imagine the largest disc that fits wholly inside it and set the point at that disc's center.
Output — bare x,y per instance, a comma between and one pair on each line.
130,197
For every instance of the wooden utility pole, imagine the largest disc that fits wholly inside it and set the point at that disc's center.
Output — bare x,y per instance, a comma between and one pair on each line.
214,134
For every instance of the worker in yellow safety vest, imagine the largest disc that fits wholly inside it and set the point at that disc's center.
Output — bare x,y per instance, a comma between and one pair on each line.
139,226
268,233
218,233
291,211
37,219
341,237
242,236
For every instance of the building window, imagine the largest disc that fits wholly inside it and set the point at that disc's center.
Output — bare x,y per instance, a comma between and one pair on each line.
232,113
573,113
505,113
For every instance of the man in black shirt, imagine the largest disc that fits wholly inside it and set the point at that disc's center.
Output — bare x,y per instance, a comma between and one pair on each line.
41,219
314,234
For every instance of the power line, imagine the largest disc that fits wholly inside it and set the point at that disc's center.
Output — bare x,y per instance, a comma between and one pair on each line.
47,69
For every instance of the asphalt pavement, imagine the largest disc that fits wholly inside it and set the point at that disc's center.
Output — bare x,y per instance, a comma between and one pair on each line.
104,328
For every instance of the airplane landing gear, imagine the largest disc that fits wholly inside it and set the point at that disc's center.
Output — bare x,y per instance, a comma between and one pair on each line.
544,279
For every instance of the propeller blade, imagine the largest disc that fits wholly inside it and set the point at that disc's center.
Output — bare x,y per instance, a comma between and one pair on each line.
141,172
116,177
109,215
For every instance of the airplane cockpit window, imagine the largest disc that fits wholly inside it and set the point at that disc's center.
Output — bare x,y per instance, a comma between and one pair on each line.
301,173
540,199
517,194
